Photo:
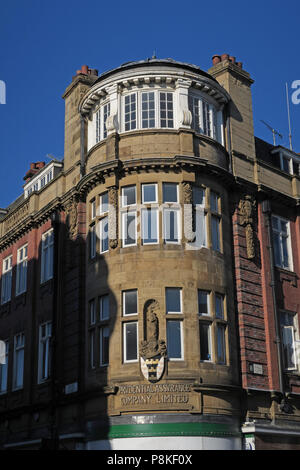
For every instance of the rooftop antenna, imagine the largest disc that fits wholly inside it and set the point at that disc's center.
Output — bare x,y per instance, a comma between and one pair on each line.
289,117
274,132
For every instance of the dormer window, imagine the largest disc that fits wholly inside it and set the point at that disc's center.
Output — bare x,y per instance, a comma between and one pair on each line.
289,162
42,178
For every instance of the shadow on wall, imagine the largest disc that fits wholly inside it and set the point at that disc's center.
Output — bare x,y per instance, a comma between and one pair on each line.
53,387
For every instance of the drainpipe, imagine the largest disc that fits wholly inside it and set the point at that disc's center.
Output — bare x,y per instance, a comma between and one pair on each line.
55,222
82,138
266,208
229,149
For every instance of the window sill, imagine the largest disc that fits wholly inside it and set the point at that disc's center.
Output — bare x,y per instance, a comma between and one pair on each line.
287,275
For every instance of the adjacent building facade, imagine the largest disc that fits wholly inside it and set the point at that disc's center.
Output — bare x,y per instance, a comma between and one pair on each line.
150,281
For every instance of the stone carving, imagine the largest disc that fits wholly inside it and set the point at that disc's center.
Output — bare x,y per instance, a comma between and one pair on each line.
187,191
71,217
246,208
112,123
113,217
152,349
186,118
16,217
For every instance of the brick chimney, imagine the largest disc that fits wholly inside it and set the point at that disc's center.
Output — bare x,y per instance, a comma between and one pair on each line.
34,168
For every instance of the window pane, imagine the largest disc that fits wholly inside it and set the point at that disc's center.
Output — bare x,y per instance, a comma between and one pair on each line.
92,312
170,217
148,110
130,302
129,228
214,198
170,192
219,306
203,302
104,345
288,347
166,110
198,196
104,234
104,307
130,341
215,233
104,203
149,193
92,348
149,226
205,342
221,344
173,300
174,340
129,196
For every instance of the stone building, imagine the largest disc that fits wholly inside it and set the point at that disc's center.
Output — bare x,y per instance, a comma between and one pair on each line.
149,281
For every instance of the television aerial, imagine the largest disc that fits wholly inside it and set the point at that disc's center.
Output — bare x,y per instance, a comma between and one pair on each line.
274,132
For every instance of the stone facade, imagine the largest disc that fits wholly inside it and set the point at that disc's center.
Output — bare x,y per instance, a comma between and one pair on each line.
202,379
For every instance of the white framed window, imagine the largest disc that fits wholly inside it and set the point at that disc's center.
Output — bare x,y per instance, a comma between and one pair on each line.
170,193
214,202
21,281
47,252
104,242
129,228
130,112
204,302
104,307
6,280
200,216
150,226
282,242
204,117
148,109
4,370
175,340
166,110
149,193
171,225
101,116
128,196
18,361
205,341
289,331
104,203
130,302
173,300
45,331
130,342
93,241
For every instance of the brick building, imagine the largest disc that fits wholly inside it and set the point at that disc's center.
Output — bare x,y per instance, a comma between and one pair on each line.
149,281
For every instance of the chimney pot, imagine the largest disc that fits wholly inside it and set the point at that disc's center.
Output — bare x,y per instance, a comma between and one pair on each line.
216,59
224,57
232,59
84,69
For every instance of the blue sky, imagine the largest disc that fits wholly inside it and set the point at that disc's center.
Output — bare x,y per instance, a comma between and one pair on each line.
42,44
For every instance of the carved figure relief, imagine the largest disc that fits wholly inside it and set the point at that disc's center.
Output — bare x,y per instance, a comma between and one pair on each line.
113,217
152,349
187,191
246,208
71,217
